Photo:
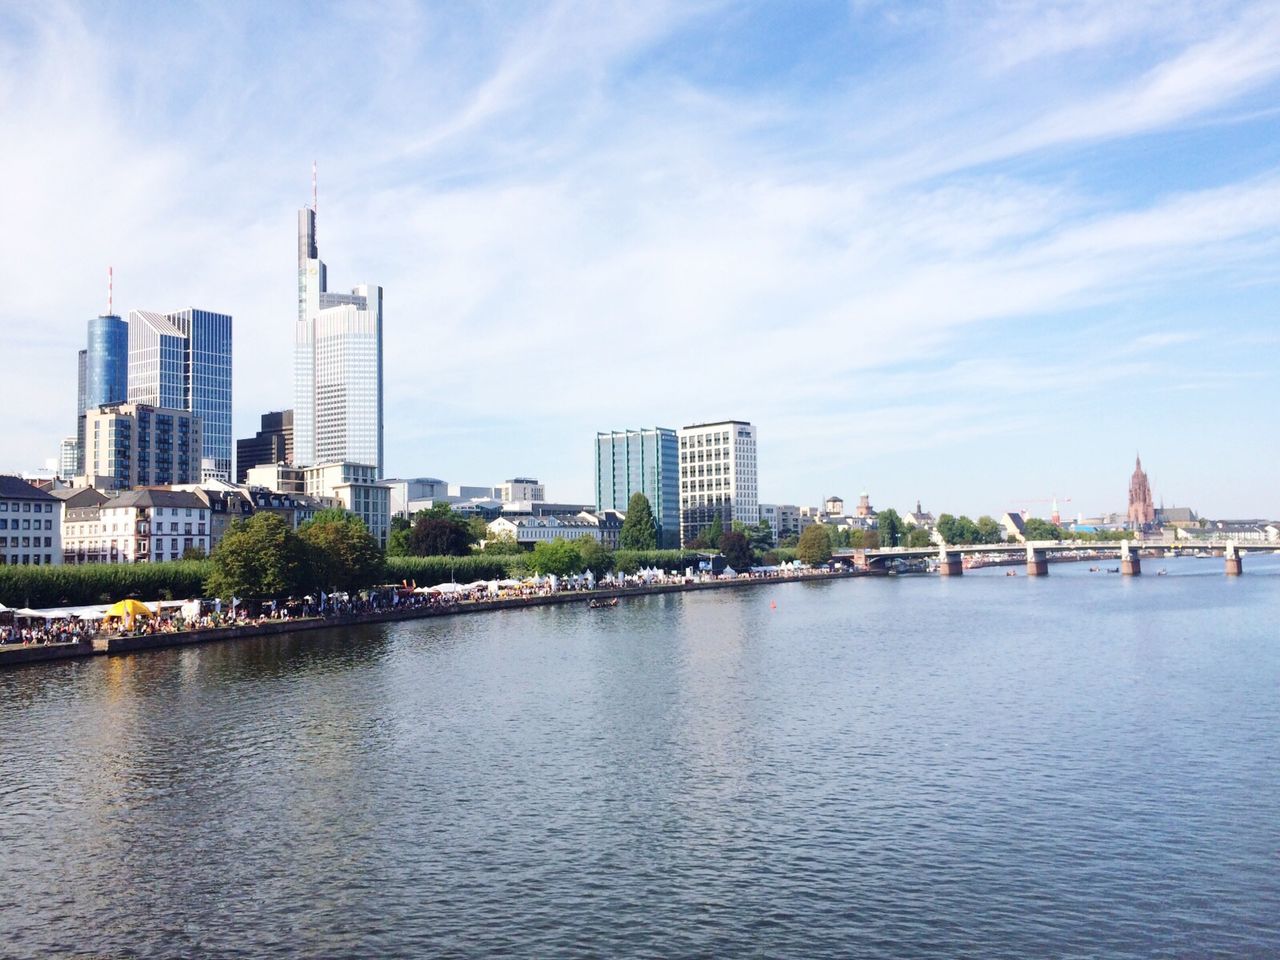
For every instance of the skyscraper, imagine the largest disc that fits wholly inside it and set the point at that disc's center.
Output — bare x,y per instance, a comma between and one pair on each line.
641,461
182,361
272,444
103,370
337,410
717,476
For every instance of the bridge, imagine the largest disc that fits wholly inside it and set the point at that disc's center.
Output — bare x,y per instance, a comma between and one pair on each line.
1038,552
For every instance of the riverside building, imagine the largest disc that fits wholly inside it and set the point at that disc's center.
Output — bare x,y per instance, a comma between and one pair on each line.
103,374
717,476
182,361
641,461
337,410
137,445
30,525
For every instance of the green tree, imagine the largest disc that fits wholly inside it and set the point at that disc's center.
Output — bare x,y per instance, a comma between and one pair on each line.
917,537
639,529
593,555
712,534
1036,529
557,556
760,536
398,537
989,530
501,545
871,539
891,527
815,545
344,555
737,550
261,557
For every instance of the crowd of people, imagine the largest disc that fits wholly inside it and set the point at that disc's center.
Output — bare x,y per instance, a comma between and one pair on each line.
211,615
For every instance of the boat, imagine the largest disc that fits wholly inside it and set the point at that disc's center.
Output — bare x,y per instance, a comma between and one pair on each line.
1113,569
603,604
1011,573
1202,554
1162,572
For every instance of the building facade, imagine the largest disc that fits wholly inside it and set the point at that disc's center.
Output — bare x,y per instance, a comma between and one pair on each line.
182,361
30,525
641,461
718,476
273,443
355,486
528,531
518,489
1142,509
337,364
68,458
152,526
136,444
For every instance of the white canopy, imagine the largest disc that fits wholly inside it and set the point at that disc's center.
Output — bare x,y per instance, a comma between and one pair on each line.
94,612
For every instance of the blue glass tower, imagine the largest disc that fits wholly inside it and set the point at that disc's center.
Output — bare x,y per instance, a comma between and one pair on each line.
641,461
103,372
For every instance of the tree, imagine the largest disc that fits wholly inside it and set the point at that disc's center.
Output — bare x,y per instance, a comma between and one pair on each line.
871,539
760,536
1036,529
398,538
712,534
502,545
917,537
557,557
261,557
989,530
891,527
344,555
737,550
957,530
593,555
639,529
815,545
439,533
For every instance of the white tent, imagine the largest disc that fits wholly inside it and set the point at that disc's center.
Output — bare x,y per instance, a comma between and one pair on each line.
447,588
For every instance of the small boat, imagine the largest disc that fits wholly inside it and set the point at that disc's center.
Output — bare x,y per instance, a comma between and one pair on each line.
1011,573
1113,569
1095,569
1162,572
603,604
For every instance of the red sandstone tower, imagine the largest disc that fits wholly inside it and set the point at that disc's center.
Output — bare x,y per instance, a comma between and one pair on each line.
1142,510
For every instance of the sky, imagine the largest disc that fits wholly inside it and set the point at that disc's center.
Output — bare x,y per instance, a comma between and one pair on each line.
974,254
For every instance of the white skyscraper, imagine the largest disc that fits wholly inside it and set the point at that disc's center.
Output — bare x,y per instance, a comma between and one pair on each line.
337,408
717,476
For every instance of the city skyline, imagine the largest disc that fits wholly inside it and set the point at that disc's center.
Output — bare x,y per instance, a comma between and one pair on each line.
970,259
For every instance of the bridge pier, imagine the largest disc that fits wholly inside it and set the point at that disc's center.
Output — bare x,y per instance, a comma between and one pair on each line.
1037,562
1234,562
1130,563
949,563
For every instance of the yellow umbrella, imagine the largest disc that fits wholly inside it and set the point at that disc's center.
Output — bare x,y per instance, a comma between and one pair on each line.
128,608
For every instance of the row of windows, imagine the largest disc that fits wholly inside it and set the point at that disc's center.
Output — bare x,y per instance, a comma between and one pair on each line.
29,559
26,524
26,541
25,507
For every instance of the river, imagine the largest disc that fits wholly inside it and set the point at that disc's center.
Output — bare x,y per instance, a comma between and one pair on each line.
988,766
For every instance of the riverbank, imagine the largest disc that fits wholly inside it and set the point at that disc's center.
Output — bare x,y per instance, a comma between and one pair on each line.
14,655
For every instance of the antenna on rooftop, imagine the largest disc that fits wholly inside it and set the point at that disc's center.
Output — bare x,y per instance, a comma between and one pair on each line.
110,284
315,200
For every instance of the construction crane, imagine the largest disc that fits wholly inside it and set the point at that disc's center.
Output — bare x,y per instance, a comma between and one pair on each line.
1054,517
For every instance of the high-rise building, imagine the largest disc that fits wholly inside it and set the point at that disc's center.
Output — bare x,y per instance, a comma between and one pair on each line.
717,476
68,458
138,445
103,372
1142,509
641,461
272,444
337,411
182,361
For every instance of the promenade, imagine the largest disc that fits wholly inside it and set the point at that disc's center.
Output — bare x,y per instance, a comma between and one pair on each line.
16,654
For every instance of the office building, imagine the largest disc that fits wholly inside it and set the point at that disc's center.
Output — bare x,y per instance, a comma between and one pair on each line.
641,461
520,488
355,487
30,525
102,373
717,476
406,491
182,361
337,411
68,458
137,445
272,444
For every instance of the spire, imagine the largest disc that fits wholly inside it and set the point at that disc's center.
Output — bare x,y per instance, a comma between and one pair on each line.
110,284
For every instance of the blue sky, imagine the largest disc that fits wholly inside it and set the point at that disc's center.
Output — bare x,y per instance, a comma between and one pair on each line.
976,254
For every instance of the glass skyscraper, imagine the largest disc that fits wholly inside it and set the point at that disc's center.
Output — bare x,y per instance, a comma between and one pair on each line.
641,461
182,361
337,407
103,372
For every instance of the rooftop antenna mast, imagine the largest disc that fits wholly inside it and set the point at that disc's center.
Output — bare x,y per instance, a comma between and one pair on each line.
315,196
110,284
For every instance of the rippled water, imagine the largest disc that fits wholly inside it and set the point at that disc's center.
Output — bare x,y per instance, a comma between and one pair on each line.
1078,766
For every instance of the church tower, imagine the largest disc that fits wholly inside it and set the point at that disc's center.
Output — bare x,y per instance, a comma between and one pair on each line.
1142,510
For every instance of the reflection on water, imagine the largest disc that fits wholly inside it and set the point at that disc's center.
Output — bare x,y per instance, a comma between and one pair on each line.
985,766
